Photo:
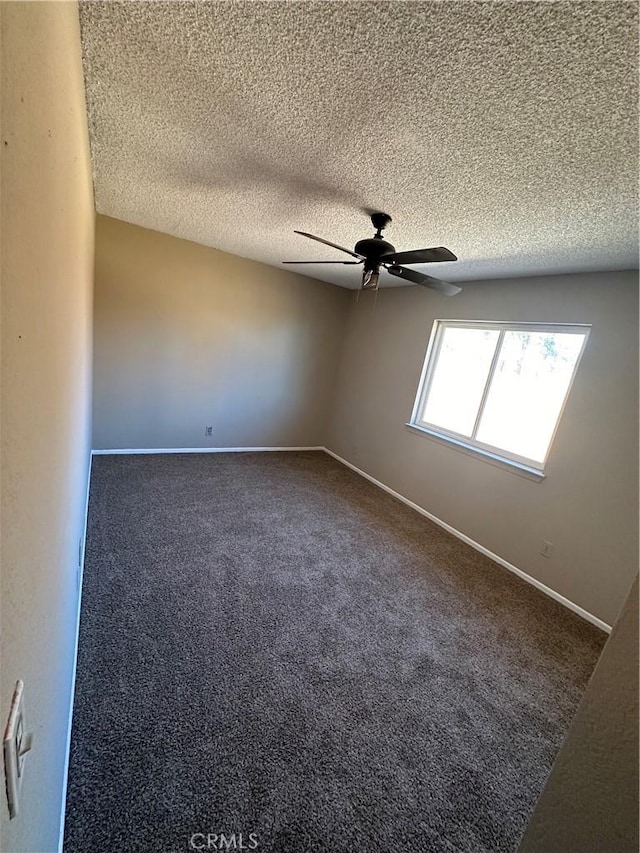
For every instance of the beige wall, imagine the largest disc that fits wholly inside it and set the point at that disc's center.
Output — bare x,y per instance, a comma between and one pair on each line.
47,267
187,336
588,504
590,801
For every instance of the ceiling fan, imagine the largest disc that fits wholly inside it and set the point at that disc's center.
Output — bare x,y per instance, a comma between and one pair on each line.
374,253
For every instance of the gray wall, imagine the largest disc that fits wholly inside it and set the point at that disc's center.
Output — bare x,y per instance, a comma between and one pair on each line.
588,504
187,336
590,802
47,269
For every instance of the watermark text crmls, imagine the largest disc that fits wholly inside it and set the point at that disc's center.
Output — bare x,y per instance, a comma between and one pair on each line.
224,841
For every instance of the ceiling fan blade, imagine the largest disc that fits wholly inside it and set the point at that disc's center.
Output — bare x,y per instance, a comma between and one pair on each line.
416,277
328,243
421,256
322,262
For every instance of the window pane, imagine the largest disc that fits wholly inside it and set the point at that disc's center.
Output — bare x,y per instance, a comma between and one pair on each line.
459,379
529,385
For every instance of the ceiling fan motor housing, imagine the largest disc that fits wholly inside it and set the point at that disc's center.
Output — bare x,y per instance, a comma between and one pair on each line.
373,248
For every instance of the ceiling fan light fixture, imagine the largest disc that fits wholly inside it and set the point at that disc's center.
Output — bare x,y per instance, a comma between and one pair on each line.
370,279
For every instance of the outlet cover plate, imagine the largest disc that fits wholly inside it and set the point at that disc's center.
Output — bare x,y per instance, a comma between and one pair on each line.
547,549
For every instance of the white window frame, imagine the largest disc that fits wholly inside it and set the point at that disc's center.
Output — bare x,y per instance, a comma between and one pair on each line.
470,443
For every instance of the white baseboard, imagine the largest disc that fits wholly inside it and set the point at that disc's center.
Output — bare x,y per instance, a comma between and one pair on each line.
75,659
119,450
478,547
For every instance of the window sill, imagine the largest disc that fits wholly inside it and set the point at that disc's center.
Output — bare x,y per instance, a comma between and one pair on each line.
484,455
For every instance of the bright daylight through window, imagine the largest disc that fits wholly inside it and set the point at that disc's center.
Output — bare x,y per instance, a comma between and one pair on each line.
498,388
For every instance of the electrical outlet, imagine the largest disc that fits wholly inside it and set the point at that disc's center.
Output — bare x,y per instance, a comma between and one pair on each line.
547,549
16,744
208,430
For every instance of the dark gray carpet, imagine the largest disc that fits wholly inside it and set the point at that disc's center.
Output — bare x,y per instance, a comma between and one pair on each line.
270,644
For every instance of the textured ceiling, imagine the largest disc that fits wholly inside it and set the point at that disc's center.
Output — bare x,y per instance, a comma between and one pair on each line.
504,131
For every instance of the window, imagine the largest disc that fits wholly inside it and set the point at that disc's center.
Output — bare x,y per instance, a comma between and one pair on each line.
498,388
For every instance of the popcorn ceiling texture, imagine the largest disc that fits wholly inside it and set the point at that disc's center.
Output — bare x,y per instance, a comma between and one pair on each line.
505,131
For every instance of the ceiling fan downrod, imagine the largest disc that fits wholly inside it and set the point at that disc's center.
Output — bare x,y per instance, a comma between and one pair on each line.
380,222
